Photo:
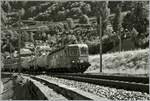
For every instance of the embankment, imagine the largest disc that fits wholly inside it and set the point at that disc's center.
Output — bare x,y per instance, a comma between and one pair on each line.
16,87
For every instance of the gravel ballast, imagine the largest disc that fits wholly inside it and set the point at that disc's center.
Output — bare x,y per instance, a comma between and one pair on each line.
106,92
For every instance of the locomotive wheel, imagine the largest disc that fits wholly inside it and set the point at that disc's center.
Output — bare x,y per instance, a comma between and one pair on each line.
51,70
76,69
73,69
62,70
58,70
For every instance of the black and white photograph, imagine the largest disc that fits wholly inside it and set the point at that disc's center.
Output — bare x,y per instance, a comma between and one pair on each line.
74,50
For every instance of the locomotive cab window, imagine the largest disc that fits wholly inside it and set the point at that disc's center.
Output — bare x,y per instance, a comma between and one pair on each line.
84,51
73,51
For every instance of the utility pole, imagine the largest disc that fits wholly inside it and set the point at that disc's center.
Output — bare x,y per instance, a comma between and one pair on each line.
20,13
99,30
19,43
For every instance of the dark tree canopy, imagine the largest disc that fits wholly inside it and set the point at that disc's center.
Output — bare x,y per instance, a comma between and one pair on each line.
78,16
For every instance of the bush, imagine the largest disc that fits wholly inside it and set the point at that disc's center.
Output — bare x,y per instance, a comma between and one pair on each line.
70,23
95,47
84,19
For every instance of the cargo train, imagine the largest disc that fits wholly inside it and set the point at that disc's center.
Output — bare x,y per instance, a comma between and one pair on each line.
71,58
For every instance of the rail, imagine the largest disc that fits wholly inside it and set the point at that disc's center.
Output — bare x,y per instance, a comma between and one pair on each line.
68,92
119,82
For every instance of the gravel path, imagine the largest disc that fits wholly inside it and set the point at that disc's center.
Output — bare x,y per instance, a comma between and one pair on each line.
106,92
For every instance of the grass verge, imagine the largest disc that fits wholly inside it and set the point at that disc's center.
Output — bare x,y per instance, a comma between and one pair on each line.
130,62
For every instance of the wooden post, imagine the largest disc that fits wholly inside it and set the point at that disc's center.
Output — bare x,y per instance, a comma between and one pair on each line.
99,23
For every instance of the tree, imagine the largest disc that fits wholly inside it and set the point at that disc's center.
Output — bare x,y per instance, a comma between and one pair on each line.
75,12
70,23
101,9
7,45
102,19
139,16
111,35
13,38
86,8
126,5
5,6
84,19
138,20
117,24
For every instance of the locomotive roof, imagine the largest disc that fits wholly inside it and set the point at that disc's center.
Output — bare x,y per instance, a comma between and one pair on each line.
71,45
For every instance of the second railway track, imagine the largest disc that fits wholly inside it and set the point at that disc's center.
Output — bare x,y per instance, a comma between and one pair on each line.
140,84
68,92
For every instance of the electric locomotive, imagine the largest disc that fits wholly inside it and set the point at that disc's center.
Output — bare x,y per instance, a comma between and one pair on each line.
72,58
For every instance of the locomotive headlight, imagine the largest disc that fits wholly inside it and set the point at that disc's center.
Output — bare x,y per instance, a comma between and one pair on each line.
72,61
81,61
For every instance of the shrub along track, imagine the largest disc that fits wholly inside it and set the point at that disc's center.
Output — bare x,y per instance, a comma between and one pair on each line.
131,83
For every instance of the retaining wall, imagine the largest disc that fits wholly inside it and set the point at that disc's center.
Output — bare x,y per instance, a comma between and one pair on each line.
22,89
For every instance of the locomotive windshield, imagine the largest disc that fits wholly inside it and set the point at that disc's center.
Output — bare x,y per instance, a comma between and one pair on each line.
78,49
73,51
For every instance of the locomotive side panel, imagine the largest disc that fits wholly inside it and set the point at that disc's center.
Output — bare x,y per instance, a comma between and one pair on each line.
68,60
25,63
42,61
55,60
50,61
58,60
61,59
65,59
34,63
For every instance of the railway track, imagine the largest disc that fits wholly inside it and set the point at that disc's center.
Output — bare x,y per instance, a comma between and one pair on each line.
133,83
68,92
119,77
